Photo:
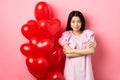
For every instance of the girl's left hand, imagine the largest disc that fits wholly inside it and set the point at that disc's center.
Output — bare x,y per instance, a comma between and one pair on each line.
89,44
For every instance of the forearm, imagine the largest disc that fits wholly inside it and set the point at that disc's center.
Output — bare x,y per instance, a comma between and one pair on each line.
72,55
70,52
85,51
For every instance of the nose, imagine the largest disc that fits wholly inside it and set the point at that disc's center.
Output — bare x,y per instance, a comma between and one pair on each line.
76,23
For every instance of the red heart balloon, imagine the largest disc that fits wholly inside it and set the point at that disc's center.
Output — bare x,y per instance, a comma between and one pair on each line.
42,11
37,65
56,75
26,49
39,76
42,25
53,26
55,57
32,22
41,64
42,46
29,30
30,62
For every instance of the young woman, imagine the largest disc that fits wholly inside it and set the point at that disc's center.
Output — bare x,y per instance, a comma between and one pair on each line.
78,45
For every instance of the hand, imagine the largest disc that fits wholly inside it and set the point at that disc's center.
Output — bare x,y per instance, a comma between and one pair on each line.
67,49
89,44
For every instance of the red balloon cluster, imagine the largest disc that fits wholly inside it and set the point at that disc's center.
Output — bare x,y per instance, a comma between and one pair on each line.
44,56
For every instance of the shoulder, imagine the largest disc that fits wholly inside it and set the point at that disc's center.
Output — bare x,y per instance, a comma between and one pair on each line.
88,31
66,33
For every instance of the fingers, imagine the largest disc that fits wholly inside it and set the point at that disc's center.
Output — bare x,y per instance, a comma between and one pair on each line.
64,50
67,49
65,46
90,44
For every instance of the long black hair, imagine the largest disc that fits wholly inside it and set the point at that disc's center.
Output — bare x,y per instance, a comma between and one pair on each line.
78,14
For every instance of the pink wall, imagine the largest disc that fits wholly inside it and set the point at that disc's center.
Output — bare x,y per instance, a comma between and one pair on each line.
102,17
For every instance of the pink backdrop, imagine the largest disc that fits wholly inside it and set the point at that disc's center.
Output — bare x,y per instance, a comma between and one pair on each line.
102,17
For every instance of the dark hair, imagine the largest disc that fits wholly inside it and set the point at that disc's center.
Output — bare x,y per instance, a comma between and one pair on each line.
78,14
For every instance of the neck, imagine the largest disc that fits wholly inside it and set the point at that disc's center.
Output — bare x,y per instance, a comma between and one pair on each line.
77,32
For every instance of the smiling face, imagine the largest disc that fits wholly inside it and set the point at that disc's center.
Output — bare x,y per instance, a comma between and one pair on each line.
75,23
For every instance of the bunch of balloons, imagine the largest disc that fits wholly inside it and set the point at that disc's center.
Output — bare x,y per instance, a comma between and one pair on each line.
44,56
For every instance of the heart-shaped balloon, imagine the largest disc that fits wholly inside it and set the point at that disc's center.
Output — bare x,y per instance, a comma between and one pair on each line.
32,22
42,25
42,11
53,26
30,29
26,49
30,62
55,57
37,65
42,46
39,76
55,75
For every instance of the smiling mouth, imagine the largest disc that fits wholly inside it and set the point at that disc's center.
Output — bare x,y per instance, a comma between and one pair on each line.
76,27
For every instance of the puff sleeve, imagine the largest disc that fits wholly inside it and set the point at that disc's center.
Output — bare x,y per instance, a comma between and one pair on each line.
64,38
91,37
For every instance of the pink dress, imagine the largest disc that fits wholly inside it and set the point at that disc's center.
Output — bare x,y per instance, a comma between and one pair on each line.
78,68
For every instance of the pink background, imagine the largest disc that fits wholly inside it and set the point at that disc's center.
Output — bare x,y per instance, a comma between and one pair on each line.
102,16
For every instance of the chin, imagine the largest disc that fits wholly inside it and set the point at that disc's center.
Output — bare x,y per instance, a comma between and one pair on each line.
76,30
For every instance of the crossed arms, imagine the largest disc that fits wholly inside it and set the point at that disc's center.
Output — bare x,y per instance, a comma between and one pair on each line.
70,52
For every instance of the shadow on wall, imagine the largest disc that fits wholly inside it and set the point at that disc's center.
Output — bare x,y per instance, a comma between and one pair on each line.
98,58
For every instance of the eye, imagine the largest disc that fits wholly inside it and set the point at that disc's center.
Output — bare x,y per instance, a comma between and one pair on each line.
73,21
79,21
